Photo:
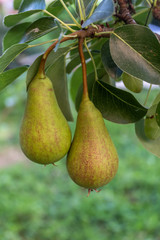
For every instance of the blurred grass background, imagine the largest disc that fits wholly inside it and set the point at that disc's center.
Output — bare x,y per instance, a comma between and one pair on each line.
42,203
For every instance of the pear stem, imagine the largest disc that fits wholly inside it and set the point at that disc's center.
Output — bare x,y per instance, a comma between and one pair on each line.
84,68
47,52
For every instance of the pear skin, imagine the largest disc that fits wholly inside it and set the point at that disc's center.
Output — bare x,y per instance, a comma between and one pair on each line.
92,160
45,136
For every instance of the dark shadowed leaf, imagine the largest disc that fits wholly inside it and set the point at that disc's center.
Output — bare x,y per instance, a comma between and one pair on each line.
151,145
132,83
14,35
117,105
57,73
38,29
9,76
104,10
27,5
10,54
13,19
136,50
109,65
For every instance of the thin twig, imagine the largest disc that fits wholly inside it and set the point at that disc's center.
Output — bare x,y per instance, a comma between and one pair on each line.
64,24
70,14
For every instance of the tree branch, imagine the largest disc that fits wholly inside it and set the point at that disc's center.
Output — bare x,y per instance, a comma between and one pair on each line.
124,12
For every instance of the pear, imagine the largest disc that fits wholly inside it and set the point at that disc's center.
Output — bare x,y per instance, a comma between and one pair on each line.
45,136
92,160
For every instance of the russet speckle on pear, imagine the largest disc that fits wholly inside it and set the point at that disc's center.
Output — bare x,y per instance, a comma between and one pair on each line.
45,136
92,160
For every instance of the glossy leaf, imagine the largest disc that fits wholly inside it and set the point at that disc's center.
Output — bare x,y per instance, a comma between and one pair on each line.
151,145
117,105
151,128
104,10
13,19
9,76
108,63
57,73
14,35
27,5
10,54
132,83
38,29
136,50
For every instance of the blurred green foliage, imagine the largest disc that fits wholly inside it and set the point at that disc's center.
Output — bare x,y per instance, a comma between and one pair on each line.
42,203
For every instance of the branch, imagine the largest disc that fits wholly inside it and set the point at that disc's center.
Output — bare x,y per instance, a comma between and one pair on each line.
124,12
156,10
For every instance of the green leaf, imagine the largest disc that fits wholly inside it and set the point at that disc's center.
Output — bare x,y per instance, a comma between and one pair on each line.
57,73
16,4
14,35
9,76
136,50
27,5
158,114
151,128
108,63
13,19
141,15
132,83
56,8
117,105
38,29
151,145
87,4
10,54
53,57
33,69
104,10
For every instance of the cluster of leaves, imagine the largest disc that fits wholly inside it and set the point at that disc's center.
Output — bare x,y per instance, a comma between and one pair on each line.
132,54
